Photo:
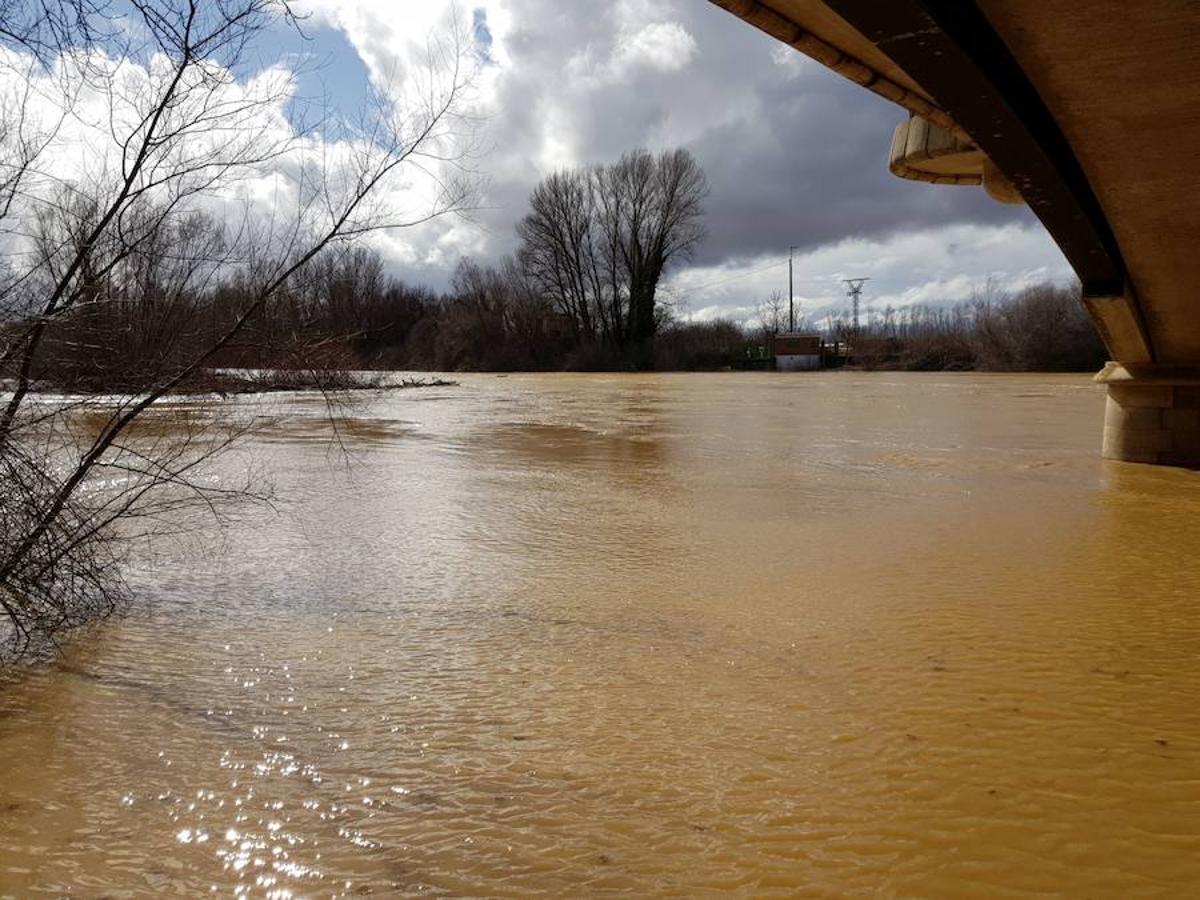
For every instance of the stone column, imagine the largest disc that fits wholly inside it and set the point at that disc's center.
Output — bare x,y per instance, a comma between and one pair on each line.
1153,414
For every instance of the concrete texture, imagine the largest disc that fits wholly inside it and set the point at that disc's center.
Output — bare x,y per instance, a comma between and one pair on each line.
1152,416
1123,83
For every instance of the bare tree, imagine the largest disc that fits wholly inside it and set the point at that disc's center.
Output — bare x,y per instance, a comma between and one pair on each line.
129,239
598,242
659,224
561,249
46,28
770,314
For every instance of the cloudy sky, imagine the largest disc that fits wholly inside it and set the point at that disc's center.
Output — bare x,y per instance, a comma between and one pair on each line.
795,155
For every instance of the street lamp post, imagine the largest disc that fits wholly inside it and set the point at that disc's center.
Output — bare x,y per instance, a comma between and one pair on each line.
791,294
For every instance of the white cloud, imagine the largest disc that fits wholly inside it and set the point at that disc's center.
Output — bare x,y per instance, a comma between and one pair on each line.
791,61
389,36
220,120
665,46
930,266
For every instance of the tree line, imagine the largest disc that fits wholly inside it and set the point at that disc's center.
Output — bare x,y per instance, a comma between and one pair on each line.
343,311
1042,328
580,292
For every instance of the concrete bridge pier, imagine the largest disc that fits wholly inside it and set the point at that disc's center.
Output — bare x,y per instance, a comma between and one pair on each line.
1152,415
1153,410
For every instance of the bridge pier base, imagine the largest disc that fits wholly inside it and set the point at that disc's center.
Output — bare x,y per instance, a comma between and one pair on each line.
1153,414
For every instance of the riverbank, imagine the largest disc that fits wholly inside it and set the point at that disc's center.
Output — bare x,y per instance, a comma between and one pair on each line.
278,380
236,382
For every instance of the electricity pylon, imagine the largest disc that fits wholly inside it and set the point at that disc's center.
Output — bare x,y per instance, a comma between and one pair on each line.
854,289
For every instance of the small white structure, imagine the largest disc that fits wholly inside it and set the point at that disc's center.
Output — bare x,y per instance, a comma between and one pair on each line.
797,352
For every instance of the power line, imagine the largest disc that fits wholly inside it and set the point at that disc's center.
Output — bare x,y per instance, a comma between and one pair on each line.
728,280
732,278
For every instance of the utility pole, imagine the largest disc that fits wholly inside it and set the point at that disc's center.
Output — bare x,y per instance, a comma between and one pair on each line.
791,294
854,289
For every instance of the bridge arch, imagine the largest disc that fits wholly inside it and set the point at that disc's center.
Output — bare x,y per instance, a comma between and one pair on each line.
1093,121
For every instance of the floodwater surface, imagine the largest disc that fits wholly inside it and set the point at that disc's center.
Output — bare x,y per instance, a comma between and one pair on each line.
818,635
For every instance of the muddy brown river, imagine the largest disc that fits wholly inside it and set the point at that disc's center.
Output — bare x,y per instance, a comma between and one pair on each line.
813,635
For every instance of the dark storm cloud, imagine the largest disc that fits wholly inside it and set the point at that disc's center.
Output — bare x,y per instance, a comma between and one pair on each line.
794,154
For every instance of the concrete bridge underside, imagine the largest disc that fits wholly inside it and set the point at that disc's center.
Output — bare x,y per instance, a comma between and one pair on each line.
1090,114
